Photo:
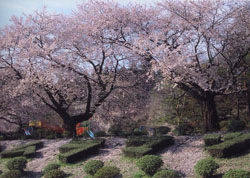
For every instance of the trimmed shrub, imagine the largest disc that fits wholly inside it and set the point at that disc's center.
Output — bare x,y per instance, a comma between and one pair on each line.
166,174
137,152
29,151
79,150
92,166
138,132
18,163
38,144
12,153
236,174
107,172
140,174
230,147
12,174
236,125
51,166
20,150
162,130
151,145
212,139
135,141
149,164
230,136
55,173
205,168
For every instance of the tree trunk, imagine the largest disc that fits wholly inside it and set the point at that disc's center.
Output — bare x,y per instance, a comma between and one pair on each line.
210,114
248,101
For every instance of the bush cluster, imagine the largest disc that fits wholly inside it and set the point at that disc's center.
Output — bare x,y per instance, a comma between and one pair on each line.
205,168
55,173
166,174
12,174
51,166
107,172
149,164
18,163
236,174
92,166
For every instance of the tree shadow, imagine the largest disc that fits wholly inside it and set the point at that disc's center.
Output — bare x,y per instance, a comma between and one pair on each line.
180,144
38,155
217,176
241,154
32,174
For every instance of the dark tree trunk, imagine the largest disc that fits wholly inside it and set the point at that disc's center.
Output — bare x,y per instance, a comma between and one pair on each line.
248,101
210,116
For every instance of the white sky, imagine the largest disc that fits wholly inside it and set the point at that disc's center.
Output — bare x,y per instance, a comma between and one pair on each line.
9,8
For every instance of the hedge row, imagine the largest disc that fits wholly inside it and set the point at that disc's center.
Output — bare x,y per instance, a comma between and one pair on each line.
27,150
230,147
30,151
212,139
79,150
146,145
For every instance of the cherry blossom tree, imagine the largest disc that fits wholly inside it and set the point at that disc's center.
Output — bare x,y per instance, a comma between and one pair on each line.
203,51
66,61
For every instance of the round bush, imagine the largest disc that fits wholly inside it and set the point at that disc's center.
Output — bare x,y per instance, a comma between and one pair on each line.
55,173
12,174
18,163
140,174
149,164
205,168
51,166
107,172
166,174
92,166
236,173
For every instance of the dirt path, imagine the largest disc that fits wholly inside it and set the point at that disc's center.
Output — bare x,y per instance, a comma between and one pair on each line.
43,157
184,154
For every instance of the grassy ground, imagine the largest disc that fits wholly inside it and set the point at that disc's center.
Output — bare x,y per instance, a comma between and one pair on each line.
239,162
3,162
128,165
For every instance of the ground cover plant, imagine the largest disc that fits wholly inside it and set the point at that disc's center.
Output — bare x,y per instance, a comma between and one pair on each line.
107,172
205,168
27,150
79,150
230,147
212,139
92,166
150,164
137,147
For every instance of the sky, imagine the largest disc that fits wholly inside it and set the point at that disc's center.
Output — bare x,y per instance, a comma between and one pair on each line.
8,8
